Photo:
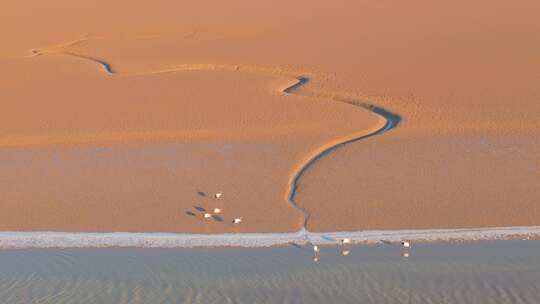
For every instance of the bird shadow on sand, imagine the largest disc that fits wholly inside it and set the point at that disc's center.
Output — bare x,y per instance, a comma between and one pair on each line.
199,210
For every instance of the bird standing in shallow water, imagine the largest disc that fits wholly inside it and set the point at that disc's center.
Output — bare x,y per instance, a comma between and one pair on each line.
406,244
344,251
316,250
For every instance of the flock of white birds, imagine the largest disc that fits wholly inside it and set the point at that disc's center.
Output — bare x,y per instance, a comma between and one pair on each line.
316,249
219,195
345,251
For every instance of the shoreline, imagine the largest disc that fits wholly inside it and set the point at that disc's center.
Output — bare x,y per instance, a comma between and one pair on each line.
35,239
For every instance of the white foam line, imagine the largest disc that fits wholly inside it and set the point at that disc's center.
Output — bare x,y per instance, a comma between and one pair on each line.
11,239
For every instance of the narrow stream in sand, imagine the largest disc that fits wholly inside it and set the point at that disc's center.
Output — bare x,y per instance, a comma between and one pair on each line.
298,82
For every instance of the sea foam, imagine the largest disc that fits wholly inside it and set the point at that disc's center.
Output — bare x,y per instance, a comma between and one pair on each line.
11,239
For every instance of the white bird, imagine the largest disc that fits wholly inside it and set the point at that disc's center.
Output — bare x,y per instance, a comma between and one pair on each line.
207,215
345,241
218,195
316,248
217,210
345,252
406,244
237,220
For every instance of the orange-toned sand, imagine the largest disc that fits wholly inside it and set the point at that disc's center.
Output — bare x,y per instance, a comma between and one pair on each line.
196,103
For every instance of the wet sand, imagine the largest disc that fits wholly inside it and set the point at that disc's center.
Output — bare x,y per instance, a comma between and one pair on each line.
93,139
152,161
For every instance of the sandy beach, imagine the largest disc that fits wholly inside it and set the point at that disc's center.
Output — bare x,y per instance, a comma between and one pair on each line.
128,117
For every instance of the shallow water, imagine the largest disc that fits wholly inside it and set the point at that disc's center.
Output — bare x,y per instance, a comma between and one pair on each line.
484,272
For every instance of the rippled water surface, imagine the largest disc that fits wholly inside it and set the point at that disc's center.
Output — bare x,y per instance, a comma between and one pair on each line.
485,272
